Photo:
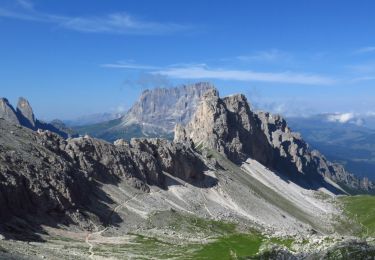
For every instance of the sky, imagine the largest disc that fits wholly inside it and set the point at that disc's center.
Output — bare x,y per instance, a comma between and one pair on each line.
77,57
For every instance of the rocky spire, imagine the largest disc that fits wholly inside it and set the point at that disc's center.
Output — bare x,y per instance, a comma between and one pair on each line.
228,126
7,111
25,113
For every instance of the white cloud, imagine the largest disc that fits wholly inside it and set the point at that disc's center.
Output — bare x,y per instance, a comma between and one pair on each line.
365,50
199,72
341,118
116,23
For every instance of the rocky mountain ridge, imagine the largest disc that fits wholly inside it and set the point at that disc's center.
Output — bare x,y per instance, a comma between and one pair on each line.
229,126
44,175
24,116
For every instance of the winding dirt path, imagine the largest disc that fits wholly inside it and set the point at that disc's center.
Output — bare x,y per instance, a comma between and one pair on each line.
98,233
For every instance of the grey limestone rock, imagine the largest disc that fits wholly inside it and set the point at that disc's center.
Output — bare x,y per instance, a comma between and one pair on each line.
25,113
229,126
7,111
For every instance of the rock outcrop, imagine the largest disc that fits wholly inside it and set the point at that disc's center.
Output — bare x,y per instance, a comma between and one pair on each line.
292,153
25,116
25,113
44,175
37,183
7,111
229,126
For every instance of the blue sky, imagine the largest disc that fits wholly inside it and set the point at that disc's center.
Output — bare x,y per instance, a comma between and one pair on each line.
72,57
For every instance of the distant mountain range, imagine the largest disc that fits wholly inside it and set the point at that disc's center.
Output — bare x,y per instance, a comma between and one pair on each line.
342,138
155,114
92,119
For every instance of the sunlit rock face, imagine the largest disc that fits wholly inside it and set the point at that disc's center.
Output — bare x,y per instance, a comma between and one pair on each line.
229,126
25,113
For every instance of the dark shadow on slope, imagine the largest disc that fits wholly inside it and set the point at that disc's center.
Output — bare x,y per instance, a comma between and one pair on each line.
39,187
206,181
26,223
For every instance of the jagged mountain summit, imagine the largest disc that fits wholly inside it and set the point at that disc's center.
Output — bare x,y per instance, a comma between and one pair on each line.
7,111
154,114
229,126
25,113
24,116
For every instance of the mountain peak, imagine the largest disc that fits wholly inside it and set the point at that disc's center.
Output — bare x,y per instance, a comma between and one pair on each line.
229,126
7,111
25,113
163,107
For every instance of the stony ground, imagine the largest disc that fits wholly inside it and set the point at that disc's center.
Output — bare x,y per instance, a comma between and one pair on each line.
200,222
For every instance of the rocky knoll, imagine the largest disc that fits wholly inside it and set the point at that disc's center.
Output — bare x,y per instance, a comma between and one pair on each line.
45,178
229,126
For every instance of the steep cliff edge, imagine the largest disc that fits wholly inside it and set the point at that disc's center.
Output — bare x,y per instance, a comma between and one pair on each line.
229,126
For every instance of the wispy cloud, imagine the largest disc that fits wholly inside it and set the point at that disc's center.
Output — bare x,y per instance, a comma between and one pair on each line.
202,71
365,50
364,78
25,4
119,23
129,65
245,75
267,55
116,23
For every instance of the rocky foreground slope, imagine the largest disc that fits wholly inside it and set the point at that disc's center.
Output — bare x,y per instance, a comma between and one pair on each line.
46,179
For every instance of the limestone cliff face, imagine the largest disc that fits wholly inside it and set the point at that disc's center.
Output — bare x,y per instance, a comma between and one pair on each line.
7,111
164,107
229,126
25,113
